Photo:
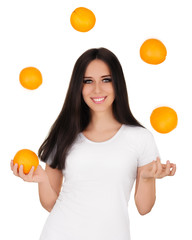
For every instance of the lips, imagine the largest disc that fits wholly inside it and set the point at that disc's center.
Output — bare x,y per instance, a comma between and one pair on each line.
99,99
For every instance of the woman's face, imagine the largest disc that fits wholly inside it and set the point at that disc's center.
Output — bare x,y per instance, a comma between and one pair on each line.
98,92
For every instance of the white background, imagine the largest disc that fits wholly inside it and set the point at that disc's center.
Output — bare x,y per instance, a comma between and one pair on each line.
38,33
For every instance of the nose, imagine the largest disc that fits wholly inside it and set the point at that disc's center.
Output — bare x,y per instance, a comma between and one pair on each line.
97,88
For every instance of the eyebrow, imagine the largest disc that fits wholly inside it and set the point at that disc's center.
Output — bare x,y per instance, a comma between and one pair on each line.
101,76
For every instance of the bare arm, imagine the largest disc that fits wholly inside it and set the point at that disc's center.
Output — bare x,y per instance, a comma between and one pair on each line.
145,193
49,182
50,188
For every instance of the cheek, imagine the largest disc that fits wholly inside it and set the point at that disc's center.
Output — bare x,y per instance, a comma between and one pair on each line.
86,90
109,89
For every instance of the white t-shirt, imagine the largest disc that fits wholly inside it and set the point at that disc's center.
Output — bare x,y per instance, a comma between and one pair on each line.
98,179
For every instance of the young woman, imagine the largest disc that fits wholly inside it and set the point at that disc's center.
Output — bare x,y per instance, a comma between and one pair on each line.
100,149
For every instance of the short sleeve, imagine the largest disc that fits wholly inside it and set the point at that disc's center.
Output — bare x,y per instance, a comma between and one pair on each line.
148,150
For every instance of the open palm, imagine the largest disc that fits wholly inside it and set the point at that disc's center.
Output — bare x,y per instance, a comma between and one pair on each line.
158,170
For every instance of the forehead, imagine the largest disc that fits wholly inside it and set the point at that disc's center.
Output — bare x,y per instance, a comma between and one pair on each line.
97,67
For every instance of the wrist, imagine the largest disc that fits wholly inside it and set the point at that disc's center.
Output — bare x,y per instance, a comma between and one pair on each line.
148,179
44,180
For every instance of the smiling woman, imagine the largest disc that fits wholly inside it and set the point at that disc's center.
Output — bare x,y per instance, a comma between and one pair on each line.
100,149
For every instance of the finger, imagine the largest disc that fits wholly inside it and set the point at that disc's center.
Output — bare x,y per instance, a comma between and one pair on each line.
21,173
11,164
165,165
154,167
167,170
15,169
172,164
172,173
159,168
30,174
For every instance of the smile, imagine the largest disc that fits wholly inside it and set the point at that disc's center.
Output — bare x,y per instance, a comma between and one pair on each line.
98,100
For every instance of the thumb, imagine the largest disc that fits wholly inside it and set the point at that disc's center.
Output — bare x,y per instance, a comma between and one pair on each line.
39,166
154,167
39,169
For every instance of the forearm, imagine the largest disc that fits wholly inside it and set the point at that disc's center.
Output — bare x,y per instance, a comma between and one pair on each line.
47,195
145,196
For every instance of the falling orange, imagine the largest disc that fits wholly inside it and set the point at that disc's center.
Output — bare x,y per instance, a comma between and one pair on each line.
163,119
27,158
30,78
153,51
82,19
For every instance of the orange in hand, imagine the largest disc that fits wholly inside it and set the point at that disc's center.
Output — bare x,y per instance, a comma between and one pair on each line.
82,19
27,158
163,119
30,78
153,51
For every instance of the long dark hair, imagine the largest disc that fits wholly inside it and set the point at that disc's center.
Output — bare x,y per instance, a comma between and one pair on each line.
75,114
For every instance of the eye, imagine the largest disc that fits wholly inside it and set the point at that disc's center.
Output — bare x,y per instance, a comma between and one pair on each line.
85,81
89,80
107,79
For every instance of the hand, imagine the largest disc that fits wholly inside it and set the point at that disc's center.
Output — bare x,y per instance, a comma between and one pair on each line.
158,170
39,175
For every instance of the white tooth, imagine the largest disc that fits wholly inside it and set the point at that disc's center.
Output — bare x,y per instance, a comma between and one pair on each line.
98,100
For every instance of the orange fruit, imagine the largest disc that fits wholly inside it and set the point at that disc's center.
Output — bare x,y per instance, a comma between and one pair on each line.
163,119
153,51
27,158
82,19
30,78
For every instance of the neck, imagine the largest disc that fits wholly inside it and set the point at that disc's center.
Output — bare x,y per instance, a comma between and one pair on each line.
102,121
